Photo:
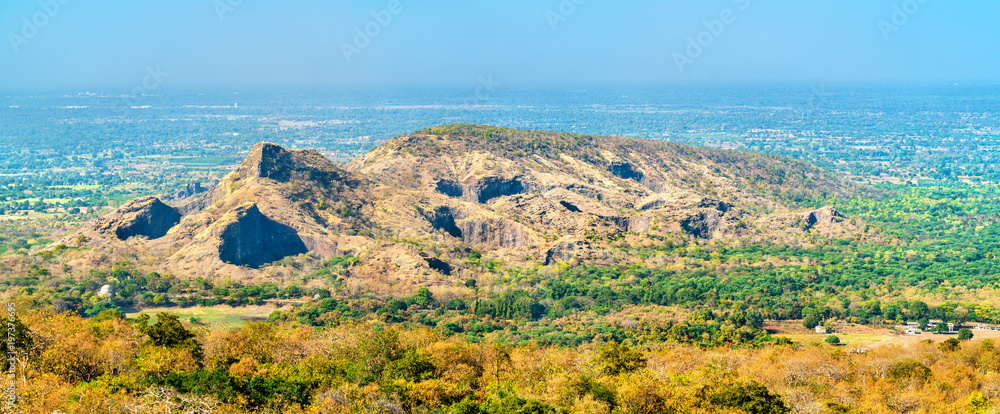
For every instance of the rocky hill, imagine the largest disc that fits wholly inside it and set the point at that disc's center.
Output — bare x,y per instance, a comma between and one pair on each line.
145,216
413,208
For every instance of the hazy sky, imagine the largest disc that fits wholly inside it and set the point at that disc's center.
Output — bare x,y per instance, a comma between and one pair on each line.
302,43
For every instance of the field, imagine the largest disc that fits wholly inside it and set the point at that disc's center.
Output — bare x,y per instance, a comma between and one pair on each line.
863,336
79,187
206,161
216,317
20,215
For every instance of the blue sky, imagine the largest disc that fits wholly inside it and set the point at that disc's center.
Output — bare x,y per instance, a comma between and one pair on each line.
300,43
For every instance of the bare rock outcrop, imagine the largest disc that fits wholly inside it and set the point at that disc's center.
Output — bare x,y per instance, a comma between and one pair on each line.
568,249
144,216
475,229
484,189
703,223
821,218
249,238
493,232
625,171
637,224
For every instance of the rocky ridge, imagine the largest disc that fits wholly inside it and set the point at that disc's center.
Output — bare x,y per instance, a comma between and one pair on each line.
145,216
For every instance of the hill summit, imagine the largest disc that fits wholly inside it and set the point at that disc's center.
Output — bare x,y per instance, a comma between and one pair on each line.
413,208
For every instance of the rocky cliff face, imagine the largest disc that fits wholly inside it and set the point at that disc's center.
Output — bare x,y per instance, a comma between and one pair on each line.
702,224
478,230
145,216
821,218
567,249
484,189
493,232
249,238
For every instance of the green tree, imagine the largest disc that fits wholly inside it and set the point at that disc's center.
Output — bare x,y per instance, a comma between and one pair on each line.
422,298
922,323
108,314
908,368
964,334
101,307
167,331
159,299
832,339
170,333
828,326
508,403
466,406
376,351
872,307
23,342
412,366
615,358
918,310
811,320
891,312
753,398
950,345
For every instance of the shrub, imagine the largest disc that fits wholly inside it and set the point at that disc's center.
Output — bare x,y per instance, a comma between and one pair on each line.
979,403
833,340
